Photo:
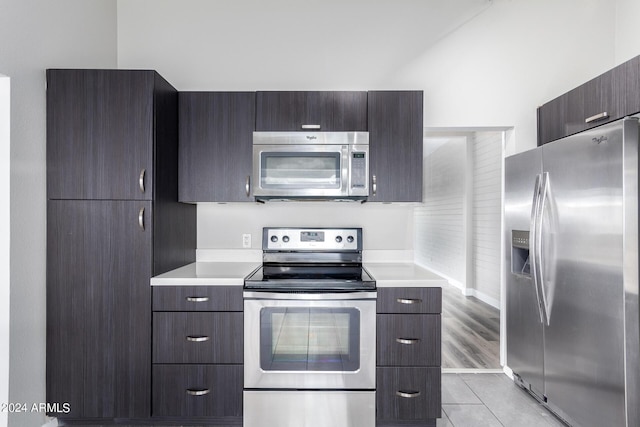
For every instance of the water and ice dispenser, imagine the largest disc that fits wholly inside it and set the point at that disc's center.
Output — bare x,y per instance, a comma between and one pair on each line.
520,253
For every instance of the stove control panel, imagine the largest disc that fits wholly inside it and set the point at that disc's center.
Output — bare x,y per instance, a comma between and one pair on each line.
312,239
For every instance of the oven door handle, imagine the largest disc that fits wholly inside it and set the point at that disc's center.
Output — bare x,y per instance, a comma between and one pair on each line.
311,296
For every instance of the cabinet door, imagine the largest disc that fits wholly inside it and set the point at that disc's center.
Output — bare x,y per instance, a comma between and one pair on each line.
319,111
98,308
551,120
395,146
216,136
99,134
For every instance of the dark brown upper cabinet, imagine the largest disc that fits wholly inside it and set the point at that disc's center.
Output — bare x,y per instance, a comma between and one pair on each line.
604,99
216,135
395,146
311,111
100,133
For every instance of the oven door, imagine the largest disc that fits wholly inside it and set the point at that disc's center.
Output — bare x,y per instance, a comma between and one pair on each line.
304,343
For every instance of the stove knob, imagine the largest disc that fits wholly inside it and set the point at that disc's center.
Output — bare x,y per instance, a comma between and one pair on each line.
338,239
274,239
285,239
350,239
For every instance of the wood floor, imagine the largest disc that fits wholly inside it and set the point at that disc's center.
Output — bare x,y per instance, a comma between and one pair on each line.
470,332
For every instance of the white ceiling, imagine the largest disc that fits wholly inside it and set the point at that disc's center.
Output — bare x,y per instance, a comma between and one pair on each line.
251,44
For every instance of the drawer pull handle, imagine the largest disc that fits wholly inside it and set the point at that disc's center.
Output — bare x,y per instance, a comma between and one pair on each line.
198,338
407,394
197,392
409,301
407,341
597,117
307,127
197,299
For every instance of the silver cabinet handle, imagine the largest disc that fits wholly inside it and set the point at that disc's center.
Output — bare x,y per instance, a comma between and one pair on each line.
311,127
602,116
197,338
407,341
409,300
197,299
202,392
141,179
374,184
407,394
141,218
247,185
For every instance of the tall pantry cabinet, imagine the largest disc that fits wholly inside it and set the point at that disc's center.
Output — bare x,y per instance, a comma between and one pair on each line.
113,221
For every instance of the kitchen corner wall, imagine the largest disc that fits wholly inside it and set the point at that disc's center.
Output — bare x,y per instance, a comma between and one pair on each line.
35,35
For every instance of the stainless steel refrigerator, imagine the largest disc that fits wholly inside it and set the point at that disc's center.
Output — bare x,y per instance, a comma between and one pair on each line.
571,239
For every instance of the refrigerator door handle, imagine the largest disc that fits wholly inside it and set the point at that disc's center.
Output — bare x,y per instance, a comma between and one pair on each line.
544,309
533,245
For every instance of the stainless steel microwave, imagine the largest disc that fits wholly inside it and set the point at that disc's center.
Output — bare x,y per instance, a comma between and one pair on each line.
311,165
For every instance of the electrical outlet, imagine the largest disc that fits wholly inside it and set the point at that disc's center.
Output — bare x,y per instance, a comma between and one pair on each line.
246,240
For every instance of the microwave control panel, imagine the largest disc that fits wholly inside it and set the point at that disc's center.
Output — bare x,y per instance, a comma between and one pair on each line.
358,169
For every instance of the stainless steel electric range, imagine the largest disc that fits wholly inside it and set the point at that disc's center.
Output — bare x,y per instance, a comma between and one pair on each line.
310,331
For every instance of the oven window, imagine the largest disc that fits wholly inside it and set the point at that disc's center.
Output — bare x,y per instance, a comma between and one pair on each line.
300,170
309,339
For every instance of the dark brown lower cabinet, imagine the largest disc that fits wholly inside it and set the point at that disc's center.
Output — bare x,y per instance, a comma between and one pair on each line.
198,391
98,298
198,355
408,373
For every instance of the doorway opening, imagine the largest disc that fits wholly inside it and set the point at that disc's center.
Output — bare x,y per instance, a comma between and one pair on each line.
458,231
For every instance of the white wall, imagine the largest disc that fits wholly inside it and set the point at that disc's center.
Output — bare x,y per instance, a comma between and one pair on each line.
627,31
515,56
440,230
486,227
5,245
35,35
385,226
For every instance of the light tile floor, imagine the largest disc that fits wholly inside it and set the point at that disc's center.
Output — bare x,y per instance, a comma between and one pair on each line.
479,400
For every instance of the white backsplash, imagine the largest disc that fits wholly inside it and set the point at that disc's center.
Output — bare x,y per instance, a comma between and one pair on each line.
385,226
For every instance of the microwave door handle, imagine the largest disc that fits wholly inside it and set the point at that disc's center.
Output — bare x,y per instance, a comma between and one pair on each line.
346,171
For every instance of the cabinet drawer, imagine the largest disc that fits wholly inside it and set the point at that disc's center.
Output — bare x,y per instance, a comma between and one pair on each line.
197,391
197,298
409,300
408,340
184,337
407,394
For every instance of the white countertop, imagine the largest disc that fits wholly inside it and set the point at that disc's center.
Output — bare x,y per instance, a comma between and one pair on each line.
386,274
206,274
403,274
